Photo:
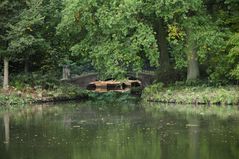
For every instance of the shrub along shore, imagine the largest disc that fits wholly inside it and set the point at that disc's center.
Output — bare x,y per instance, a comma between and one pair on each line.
176,94
221,95
28,95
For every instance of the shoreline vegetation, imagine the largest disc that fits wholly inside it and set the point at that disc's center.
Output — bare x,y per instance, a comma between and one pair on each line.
196,95
17,97
26,90
156,93
74,93
28,95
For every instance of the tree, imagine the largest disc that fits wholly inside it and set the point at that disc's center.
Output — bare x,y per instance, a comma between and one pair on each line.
195,39
111,36
9,9
120,32
54,52
233,43
25,35
224,65
115,37
162,13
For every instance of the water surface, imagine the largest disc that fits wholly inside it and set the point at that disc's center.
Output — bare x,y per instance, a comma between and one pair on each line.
118,131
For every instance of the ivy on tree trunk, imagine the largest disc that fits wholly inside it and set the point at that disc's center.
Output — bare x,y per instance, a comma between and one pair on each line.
161,33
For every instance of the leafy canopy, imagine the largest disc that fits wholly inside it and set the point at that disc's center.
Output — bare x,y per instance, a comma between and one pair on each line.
113,38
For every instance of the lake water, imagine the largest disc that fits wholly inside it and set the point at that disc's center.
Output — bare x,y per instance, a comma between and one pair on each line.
119,131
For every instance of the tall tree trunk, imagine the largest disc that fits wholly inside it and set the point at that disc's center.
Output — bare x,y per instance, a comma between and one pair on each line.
161,32
6,74
193,66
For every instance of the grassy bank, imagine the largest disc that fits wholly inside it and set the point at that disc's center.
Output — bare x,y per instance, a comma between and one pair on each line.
12,100
27,95
228,95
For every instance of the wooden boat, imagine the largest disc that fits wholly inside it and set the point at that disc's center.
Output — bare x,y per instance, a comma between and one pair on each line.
115,86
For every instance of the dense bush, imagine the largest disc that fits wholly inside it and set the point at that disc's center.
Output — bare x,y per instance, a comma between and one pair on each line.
35,80
12,101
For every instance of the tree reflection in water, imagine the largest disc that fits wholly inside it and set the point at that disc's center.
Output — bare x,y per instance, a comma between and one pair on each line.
119,131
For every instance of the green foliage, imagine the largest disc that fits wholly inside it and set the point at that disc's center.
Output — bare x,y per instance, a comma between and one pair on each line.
30,88
12,101
222,65
9,10
153,88
113,39
23,35
117,35
169,10
231,14
66,91
56,50
111,97
193,94
35,80
206,37
28,32
233,55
